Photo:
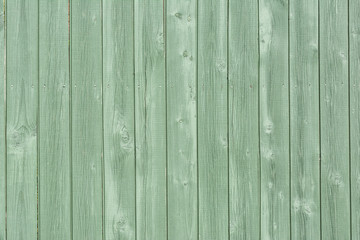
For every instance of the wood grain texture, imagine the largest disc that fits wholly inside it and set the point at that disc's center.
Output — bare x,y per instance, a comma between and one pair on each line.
181,119
244,165
150,109
335,195
212,120
274,119
22,110
54,122
354,50
87,135
304,120
119,135
2,124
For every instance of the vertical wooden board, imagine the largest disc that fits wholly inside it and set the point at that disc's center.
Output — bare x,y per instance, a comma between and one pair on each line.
22,109
119,154
54,135
354,45
212,119
335,196
274,119
181,118
86,113
150,107
2,123
304,120
244,167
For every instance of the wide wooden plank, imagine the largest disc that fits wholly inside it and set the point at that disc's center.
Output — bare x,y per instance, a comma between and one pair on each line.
119,135
54,121
335,195
22,110
150,112
86,114
181,118
304,120
354,64
244,165
274,119
212,120
2,124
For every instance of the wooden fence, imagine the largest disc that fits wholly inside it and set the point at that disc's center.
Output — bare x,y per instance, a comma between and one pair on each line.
180,119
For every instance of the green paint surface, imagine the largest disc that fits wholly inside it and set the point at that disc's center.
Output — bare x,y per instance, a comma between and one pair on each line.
184,119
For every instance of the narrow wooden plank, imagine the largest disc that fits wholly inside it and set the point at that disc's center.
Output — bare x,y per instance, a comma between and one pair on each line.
354,45
86,77
22,108
274,120
2,124
54,137
181,119
335,196
244,165
119,152
304,120
212,119
150,107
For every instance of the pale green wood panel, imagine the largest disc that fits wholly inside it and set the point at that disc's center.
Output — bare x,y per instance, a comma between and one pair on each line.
334,115
150,113
54,121
212,120
304,120
119,135
274,119
244,165
2,123
22,110
181,118
354,35
86,114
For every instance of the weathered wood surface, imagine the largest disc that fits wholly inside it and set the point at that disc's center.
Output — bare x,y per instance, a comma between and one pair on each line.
304,120
181,119
212,119
150,114
244,164
119,125
86,115
274,119
21,123
334,115
54,121
184,119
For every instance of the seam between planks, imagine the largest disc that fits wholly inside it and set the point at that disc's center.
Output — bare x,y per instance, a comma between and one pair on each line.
5,103
134,102
70,117
227,113
197,121
102,125
349,111
319,86
289,106
258,97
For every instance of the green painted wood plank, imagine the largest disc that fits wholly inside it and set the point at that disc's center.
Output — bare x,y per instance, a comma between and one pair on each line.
119,152
181,119
2,123
54,122
150,108
22,107
212,119
86,113
244,165
354,45
304,120
274,119
335,196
